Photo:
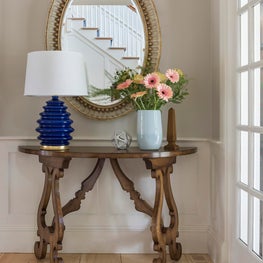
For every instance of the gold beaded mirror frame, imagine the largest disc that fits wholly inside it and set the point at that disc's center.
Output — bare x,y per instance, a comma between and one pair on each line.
152,54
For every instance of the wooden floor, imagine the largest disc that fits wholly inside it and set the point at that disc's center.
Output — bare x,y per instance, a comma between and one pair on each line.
102,258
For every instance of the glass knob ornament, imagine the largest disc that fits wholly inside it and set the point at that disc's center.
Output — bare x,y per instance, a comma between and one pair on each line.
121,140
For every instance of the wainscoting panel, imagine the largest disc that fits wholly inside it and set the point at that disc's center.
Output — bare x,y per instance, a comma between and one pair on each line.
23,173
107,215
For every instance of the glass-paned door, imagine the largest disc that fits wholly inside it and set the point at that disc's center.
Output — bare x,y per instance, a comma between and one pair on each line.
249,130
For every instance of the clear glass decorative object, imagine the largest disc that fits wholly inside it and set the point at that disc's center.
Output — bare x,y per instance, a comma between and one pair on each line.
121,140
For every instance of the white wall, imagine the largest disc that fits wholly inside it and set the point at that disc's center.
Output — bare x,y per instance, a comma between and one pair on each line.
185,43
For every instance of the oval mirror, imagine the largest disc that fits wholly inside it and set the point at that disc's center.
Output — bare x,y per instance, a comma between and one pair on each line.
112,35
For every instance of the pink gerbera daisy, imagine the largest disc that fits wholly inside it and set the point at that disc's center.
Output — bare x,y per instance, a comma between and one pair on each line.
172,75
124,85
151,80
164,92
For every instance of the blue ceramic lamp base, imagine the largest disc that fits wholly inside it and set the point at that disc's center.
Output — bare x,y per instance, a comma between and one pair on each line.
54,126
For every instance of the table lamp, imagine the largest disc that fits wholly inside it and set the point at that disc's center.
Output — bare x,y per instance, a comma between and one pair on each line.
55,73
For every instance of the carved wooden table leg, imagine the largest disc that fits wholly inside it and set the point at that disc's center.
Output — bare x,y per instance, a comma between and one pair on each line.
162,236
156,227
128,186
86,186
52,235
175,248
40,247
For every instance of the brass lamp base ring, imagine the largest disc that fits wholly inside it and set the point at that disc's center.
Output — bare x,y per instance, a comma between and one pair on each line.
54,148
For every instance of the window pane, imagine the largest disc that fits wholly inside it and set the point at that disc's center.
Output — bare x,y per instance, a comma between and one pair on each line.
244,38
244,98
244,157
258,93
257,35
243,2
258,227
258,161
243,235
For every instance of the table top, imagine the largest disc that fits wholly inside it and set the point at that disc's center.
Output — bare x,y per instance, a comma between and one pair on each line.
107,152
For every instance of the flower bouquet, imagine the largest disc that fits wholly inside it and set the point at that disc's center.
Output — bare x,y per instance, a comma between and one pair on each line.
147,90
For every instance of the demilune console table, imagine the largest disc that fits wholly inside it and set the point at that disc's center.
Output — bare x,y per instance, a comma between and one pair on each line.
159,162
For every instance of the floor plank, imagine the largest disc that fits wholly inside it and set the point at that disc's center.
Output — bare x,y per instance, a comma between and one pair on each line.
147,258
30,258
102,258
18,258
138,258
198,258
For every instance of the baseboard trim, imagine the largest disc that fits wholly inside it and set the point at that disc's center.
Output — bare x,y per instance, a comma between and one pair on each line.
77,228
84,239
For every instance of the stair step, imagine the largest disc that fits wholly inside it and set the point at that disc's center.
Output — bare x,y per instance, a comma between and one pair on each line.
90,28
135,58
103,38
103,42
131,62
76,22
117,52
89,32
118,48
76,18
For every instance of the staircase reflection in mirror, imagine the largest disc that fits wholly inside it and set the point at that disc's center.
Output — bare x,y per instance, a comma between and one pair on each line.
111,37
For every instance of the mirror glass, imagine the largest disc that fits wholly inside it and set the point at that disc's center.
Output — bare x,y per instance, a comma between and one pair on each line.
112,35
